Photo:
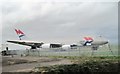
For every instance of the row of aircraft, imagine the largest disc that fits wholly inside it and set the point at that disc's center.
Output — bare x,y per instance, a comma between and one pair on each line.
86,42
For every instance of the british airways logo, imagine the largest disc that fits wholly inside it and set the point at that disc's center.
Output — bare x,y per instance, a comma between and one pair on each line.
19,33
88,40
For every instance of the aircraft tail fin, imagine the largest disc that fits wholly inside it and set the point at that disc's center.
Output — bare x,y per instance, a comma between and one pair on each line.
88,40
19,33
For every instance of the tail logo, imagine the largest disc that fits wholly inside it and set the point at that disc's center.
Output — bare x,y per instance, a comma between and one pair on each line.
88,41
19,33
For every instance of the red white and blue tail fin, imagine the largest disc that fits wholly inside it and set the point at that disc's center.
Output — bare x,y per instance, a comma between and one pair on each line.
88,40
19,33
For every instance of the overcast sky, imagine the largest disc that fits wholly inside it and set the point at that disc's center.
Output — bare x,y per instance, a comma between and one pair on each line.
64,22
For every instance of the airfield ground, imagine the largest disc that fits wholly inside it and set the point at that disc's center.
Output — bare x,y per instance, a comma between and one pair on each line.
46,58
26,64
32,64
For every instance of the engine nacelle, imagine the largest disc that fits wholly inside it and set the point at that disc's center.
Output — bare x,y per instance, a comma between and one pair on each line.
45,46
66,47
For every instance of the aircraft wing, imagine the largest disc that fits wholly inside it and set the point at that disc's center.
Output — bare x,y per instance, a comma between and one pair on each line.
27,43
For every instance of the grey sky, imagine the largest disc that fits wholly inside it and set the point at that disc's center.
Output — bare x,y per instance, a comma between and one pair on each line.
65,22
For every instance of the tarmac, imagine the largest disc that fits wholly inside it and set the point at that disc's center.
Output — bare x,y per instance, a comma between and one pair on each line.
28,63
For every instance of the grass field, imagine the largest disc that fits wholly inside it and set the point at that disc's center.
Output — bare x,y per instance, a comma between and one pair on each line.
85,65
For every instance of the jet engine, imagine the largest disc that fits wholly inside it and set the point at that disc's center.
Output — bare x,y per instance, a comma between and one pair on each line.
45,46
49,45
66,47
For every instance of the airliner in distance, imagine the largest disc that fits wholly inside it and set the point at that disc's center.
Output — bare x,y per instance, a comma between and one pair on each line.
86,42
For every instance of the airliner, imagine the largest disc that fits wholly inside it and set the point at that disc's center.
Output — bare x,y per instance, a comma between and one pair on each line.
86,42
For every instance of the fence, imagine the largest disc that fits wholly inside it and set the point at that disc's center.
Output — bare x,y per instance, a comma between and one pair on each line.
71,52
